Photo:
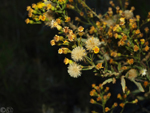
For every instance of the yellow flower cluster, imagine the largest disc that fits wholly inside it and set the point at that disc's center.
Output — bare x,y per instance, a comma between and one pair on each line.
111,46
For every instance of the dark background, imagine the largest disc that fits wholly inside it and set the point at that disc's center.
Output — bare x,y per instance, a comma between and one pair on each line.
33,77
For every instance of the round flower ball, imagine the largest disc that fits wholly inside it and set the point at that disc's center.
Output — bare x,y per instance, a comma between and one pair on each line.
78,53
92,42
128,14
74,70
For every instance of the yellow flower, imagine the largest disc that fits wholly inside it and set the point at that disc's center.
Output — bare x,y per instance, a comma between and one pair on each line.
137,31
122,21
93,85
56,38
121,43
52,42
33,5
146,48
49,6
30,14
115,104
99,66
92,101
136,48
124,68
58,20
40,5
96,49
59,28
70,0
97,23
111,61
132,8
146,29
119,96
146,43
142,41
66,61
135,101
113,53
80,29
92,29
138,17
124,38
116,35
62,1
67,19
130,61
71,37
60,51
81,14
108,95
40,17
27,21
107,109
77,19
66,29
92,92
28,8
43,18
99,98
65,50
117,28
145,83
121,105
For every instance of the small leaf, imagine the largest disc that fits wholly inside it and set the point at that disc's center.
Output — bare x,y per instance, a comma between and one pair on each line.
140,98
119,66
106,66
138,67
138,85
112,69
114,81
123,83
107,81
136,92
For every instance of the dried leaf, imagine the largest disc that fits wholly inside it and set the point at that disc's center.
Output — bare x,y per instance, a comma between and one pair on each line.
107,81
123,83
138,85
114,81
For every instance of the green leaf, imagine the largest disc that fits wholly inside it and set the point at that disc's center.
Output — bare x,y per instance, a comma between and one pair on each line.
99,56
138,85
123,84
119,66
137,67
106,66
140,98
112,69
107,81
136,92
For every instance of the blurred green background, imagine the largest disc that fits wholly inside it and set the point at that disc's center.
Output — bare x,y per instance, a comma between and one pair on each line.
33,77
